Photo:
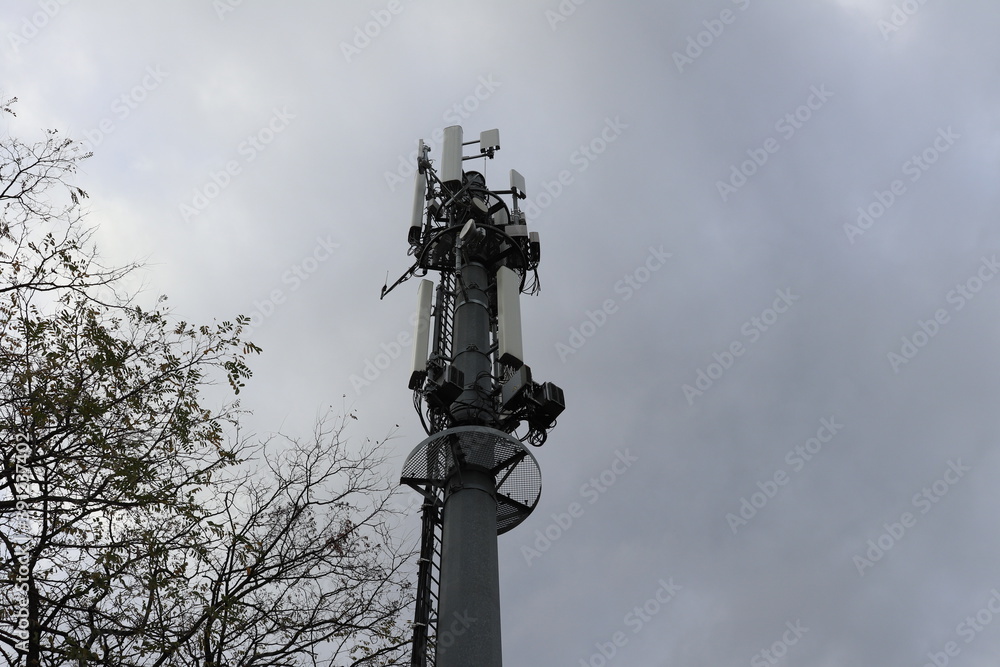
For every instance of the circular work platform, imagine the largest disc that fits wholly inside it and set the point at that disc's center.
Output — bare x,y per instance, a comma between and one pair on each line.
518,477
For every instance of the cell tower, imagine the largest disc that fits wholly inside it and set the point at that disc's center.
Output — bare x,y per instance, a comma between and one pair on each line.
475,397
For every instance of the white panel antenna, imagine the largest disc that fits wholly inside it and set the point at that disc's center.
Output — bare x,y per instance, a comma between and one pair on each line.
511,349
451,156
489,141
417,216
421,333
517,182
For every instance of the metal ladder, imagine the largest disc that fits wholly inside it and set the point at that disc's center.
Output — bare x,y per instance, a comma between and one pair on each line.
425,615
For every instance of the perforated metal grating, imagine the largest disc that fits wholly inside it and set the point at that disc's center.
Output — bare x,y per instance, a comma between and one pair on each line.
518,477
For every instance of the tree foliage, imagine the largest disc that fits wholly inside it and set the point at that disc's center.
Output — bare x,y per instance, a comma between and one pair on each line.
137,525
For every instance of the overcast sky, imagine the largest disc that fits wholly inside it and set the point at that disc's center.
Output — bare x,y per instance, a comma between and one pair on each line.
769,238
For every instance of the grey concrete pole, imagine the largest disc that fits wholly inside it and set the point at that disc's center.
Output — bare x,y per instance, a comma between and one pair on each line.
471,344
469,609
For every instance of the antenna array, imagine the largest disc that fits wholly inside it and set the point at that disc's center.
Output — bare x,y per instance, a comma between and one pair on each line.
475,396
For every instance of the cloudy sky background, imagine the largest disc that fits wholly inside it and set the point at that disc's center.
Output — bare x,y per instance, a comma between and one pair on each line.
312,220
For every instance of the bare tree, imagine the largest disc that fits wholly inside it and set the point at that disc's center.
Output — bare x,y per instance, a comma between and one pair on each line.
292,562
137,525
44,246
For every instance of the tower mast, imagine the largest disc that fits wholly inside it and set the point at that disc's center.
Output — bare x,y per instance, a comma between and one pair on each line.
475,397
